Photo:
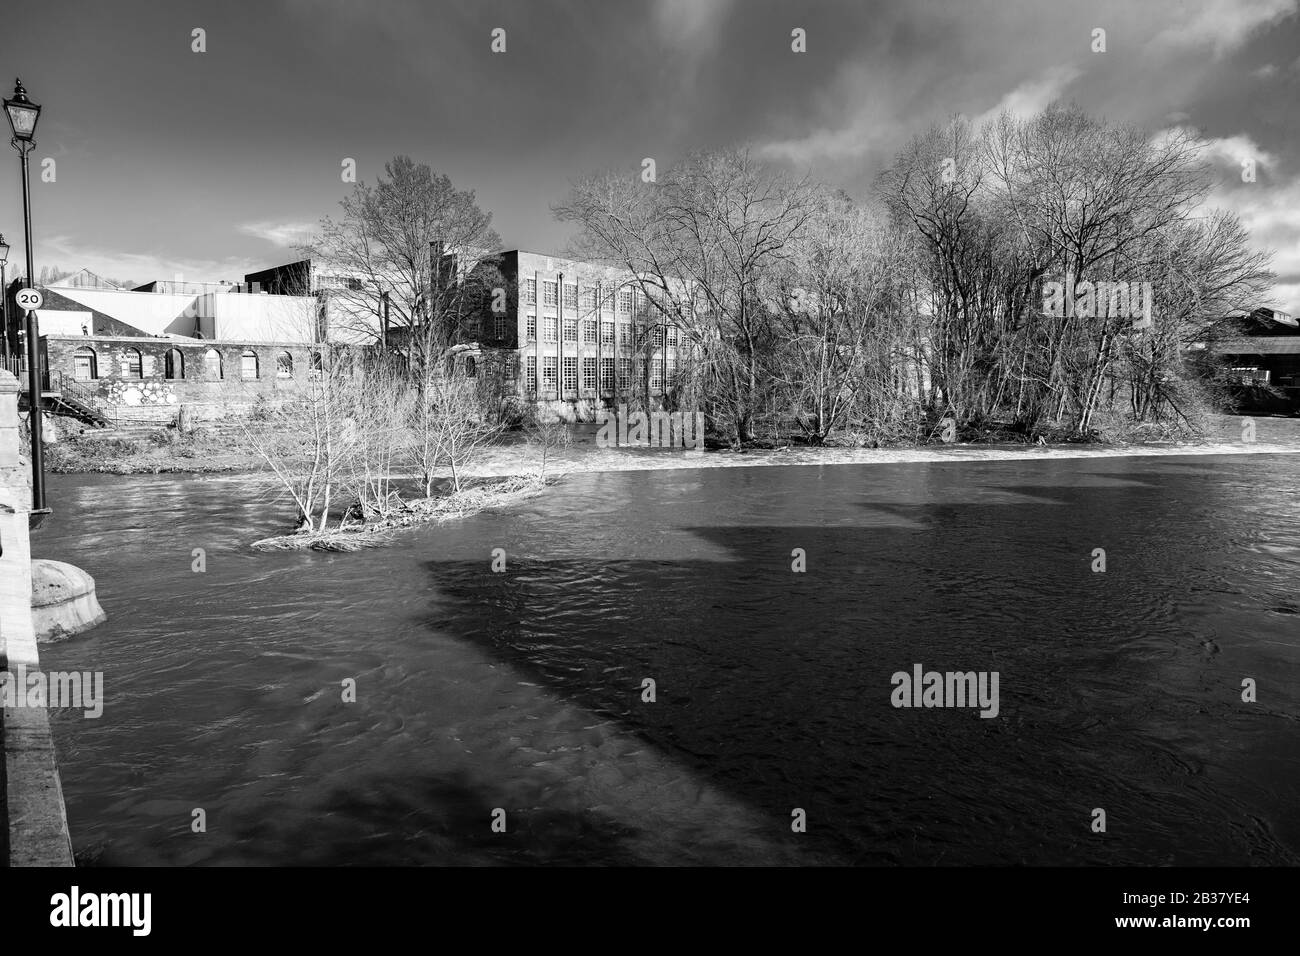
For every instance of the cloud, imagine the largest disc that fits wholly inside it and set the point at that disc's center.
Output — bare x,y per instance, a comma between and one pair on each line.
691,26
873,125
1226,151
1269,208
285,234
1224,25
67,253
1033,95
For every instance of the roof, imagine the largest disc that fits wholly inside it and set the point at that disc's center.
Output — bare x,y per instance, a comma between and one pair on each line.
1260,345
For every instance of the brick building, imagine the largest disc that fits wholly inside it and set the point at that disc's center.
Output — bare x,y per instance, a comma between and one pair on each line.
573,336
144,380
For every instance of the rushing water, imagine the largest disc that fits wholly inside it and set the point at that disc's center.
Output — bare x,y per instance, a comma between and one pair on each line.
522,690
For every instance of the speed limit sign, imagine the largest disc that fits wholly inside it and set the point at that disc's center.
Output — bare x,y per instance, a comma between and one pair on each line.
28,299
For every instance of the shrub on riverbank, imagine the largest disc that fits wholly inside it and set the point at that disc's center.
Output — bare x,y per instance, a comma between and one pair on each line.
472,499
160,452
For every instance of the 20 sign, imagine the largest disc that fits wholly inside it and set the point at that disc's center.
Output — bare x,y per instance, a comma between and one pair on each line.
28,299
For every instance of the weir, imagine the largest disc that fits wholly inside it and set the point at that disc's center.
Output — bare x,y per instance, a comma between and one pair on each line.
33,820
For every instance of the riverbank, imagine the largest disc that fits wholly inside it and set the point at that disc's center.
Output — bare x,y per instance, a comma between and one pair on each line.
208,453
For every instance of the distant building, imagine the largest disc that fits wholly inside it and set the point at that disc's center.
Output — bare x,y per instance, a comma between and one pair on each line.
571,336
1263,362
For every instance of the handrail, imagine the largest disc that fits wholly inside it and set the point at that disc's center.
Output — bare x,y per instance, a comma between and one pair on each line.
82,395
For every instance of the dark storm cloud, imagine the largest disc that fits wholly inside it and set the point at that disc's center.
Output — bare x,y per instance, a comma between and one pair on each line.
172,161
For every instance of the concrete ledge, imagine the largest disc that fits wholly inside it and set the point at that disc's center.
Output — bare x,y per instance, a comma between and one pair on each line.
37,819
35,822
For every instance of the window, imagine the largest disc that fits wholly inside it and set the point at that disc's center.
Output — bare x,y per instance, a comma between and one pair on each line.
570,374
212,363
174,364
625,301
589,299
589,374
84,365
625,334
672,335
283,365
248,365
570,330
659,336
671,373
338,282
530,291
471,367
589,331
656,374
640,303
530,373
499,327
571,296
548,372
607,375
607,301
133,365
624,373
531,328
607,333
548,293
548,329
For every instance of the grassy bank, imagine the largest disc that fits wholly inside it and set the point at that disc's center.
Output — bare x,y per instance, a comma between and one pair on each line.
162,452
203,452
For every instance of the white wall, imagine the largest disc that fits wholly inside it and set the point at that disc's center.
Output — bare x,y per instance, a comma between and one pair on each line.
57,322
261,318
152,313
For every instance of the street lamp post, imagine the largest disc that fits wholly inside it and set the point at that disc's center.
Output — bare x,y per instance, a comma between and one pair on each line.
4,300
23,114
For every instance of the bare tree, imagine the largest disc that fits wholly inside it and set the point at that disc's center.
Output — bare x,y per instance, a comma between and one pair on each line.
448,426
411,240
702,242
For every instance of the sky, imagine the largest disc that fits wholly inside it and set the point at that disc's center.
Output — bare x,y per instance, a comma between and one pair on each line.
211,164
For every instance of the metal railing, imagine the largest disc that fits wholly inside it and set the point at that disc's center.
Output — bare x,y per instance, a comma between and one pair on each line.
70,388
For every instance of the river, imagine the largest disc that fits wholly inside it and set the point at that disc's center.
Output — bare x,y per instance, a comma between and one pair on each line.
522,690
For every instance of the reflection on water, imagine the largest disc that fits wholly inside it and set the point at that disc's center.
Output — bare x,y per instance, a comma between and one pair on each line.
523,690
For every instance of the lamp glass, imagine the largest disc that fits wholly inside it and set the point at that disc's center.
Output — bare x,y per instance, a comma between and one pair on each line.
22,117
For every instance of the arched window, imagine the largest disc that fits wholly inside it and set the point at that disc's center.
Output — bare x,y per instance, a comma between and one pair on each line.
248,364
133,363
175,367
284,365
212,363
85,365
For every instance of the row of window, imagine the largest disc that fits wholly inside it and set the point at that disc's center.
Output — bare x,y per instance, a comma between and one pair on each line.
659,334
550,367
626,300
85,364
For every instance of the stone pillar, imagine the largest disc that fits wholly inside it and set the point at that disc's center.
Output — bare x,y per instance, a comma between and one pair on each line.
32,811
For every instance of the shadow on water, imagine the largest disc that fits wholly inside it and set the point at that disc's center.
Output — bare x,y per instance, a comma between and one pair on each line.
776,685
